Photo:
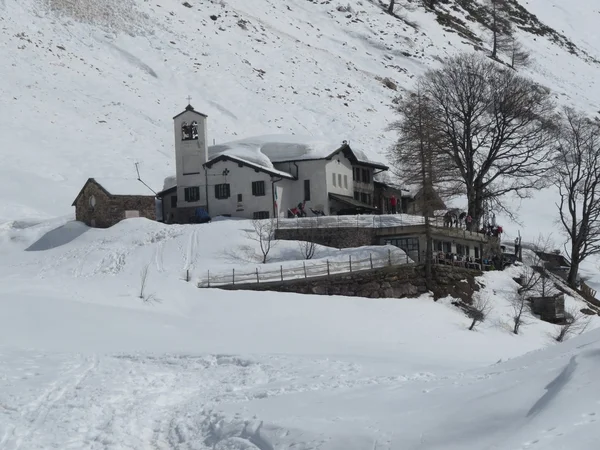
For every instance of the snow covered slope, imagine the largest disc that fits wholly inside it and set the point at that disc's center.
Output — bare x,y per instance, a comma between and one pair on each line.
88,88
84,363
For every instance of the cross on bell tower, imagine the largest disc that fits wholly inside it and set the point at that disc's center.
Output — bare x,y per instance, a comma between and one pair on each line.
189,99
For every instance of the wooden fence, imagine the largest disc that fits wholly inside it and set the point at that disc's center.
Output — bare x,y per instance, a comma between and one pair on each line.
308,269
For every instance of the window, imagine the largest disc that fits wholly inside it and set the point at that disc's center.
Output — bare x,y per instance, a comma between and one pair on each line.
192,194
185,132
194,130
366,176
92,201
356,174
174,201
460,249
467,250
345,181
131,214
365,198
406,244
356,195
339,179
447,247
222,191
437,246
476,252
239,198
258,188
306,190
333,179
259,215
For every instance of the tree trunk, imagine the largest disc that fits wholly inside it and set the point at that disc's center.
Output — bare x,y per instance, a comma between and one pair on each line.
391,7
475,210
473,324
572,277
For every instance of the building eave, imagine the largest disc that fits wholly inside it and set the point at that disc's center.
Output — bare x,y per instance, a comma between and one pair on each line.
225,157
191,109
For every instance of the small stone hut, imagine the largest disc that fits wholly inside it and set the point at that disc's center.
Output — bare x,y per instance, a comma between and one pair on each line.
103,202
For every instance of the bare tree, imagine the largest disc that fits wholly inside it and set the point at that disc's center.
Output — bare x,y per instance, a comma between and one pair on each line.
495,126
147,298
264,233
535,277
307,249
576,322
500,26
577,177
520,310
519,57
479,310
418,160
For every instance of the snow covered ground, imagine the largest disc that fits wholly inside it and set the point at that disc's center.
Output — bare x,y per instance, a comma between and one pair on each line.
89,88
85,363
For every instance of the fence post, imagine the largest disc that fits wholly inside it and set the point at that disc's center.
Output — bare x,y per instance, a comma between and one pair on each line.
257,278
281,268
208,279
350,263
304,265
390,256
327,267
407,257
371,259
233,277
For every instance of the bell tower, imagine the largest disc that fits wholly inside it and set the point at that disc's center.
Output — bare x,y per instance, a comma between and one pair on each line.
191,153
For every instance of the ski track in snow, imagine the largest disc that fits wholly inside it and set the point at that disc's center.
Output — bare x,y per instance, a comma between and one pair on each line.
161,402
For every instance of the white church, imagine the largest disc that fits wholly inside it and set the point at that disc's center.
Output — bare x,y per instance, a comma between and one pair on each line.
263,177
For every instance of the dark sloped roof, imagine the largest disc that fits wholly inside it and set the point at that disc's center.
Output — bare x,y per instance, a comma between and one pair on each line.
191,109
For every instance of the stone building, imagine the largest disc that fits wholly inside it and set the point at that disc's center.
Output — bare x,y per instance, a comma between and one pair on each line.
103,202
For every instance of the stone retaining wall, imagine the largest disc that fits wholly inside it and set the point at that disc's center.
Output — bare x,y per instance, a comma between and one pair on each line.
386,282
330,237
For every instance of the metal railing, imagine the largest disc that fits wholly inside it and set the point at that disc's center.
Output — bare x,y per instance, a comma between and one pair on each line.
369,221
308,269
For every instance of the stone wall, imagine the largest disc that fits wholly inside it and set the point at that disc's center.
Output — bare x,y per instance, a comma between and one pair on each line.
330,237
109,210
387,282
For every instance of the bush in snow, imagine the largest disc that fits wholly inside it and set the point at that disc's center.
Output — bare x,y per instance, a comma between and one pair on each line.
576,322
263,232
479,310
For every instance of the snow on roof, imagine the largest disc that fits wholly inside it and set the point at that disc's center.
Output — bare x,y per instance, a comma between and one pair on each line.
169,182
124,186
267,149
259,166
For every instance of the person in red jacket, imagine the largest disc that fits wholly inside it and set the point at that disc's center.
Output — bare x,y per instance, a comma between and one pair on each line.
393,203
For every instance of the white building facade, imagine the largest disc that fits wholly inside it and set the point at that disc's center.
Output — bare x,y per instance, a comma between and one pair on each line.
257,181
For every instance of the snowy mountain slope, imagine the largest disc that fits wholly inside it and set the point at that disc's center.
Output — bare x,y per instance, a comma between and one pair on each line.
89,88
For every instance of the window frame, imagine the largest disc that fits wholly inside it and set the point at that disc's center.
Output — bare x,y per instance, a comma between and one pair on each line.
307,190
334,179
187,194
259,188
219,195
260,215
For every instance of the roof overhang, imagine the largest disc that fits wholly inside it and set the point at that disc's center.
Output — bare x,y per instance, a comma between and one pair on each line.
189,108
243,162
350,201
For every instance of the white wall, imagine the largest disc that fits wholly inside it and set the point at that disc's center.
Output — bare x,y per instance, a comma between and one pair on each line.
294,189
189,158
342,168
240,182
